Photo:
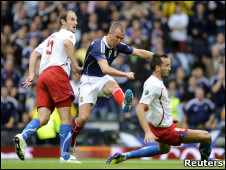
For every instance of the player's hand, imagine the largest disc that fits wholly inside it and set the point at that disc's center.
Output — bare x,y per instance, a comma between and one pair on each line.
149,137
130,75
77,70
175,120
29,81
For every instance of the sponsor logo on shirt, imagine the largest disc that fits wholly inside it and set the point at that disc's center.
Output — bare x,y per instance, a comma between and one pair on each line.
146,92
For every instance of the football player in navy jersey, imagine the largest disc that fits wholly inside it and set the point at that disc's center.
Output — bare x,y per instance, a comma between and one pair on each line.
97,75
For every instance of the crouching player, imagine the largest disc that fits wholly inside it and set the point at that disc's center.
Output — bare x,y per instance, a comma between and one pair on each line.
158,124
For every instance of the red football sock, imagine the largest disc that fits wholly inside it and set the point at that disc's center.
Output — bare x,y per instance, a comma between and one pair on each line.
76,128
118,95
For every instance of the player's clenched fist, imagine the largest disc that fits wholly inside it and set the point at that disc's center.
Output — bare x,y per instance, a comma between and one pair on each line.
130,75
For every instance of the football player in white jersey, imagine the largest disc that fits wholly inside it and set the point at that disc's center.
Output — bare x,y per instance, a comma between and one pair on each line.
53,86
155,117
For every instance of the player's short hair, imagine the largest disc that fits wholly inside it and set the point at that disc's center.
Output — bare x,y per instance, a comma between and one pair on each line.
156,60
115,26
63,16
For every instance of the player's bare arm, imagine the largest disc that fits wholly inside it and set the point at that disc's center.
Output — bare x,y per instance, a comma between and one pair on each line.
106,69
143,53
32,63
149,136
70,52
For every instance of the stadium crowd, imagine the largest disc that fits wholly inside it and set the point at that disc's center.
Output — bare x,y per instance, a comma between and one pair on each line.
190,32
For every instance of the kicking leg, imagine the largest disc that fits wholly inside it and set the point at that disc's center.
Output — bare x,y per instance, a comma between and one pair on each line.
125,100
202,137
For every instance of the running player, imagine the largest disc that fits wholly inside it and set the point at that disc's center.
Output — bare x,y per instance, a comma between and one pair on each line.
53,86
158,124
97,75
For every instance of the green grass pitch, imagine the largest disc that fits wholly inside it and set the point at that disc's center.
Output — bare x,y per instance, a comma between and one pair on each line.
92,163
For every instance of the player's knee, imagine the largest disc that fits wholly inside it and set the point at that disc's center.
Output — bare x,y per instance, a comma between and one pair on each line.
207,137
82,120
43,121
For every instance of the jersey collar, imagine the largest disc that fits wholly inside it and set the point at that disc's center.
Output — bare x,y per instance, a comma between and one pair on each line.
105,42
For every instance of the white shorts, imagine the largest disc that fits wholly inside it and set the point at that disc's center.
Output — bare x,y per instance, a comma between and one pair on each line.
91,87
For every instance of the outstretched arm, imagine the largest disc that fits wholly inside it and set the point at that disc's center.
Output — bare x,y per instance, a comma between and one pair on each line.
106,69
143,53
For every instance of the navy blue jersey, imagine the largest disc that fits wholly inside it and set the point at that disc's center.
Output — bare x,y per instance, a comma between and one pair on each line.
198,112
97,50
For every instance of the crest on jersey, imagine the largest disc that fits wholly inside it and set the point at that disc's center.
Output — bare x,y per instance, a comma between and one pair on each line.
115,53
146,92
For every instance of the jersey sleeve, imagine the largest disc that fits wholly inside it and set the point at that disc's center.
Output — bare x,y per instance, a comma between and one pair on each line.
40,48
97,51
149,94
70,36
123,48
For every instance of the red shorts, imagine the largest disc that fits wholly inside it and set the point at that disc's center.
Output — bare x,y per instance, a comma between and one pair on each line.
54,89
172,135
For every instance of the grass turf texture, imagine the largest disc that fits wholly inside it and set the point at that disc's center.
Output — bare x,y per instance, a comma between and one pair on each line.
92,163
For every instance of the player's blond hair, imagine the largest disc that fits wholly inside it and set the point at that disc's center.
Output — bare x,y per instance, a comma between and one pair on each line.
63,16
115,26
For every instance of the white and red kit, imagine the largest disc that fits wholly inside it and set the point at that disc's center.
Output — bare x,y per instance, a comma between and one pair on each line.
53,86
159,115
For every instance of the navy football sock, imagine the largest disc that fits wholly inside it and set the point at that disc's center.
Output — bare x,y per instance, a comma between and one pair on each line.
205,150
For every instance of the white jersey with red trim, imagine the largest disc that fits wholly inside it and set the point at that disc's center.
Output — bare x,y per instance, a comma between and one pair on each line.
53,51
155,95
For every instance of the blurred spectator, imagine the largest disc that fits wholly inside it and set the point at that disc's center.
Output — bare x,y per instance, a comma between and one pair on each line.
169,7
102,9
217,84
199,25
202,81
137,66
199,112
130,32
182,83
20,18
178,24
82,16
6,13
215,62
119,64
127,10
189,92
156,32
221,43
218,8
38,21
9,72
8,109
45,34
130,122
174,96
92,23
22,95
81,52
